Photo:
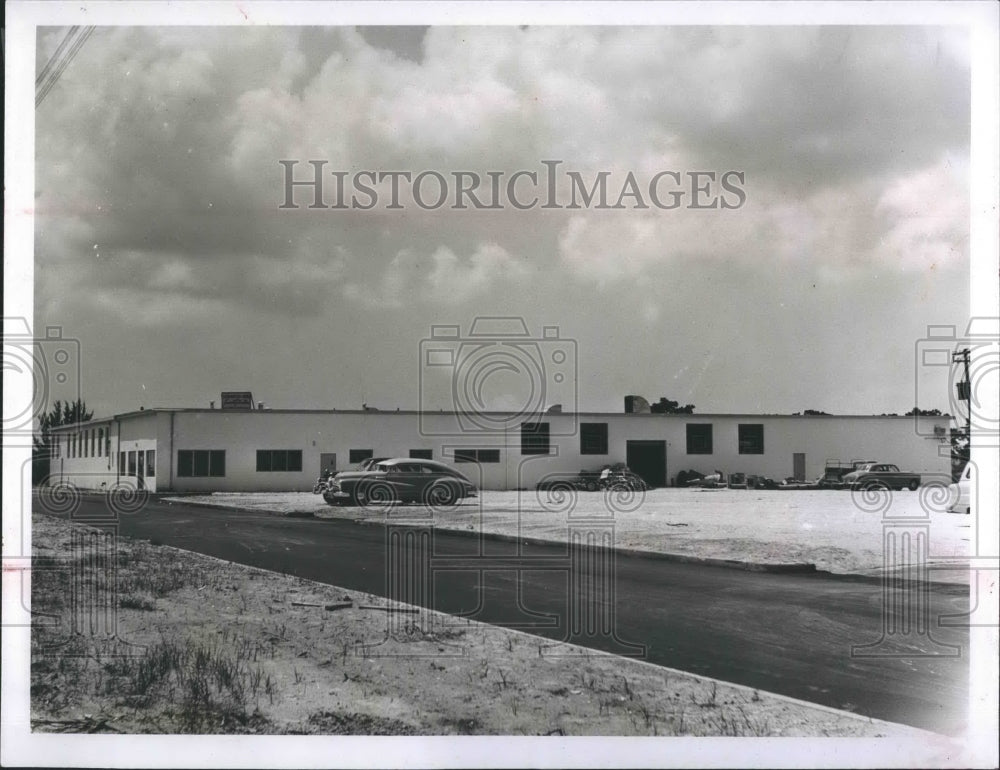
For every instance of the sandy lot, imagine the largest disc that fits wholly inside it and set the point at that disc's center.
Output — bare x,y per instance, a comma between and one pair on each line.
834,529
207,646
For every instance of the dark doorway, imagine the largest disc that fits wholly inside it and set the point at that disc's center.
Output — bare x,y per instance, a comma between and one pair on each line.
649,460
799,466
327,463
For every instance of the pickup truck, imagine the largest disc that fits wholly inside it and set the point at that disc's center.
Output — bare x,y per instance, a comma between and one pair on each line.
881,476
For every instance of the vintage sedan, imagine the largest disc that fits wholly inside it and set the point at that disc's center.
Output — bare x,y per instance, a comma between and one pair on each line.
400,479
881,476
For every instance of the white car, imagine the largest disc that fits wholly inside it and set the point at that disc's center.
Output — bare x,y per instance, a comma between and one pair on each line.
960,493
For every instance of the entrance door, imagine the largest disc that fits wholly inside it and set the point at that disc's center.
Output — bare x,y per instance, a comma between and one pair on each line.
799,466
649,460
327,461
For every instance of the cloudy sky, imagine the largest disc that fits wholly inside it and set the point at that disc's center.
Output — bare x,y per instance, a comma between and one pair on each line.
161,244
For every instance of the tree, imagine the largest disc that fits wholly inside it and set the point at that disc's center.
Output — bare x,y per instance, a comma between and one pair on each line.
61,413
666,406
915,412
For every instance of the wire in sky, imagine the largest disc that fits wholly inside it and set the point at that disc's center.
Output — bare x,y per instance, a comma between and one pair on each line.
59,61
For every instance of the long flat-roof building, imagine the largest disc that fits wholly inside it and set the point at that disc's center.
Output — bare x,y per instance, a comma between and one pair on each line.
255,449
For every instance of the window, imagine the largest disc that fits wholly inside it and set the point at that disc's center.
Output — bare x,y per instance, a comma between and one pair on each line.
593,438
121,462
534,438
477,455
272,460
357,455
699,439
100,442
107,444
83,443
93,442
131,463
422,454
201,462
751,439
150,462
140,463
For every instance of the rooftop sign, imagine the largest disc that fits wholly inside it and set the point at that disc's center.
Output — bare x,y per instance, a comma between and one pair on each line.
238,399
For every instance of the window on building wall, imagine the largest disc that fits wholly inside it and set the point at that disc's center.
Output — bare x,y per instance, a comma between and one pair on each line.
93,442
699,439
422,454
83,444
201,462
121,462
107,444
131,463
477,455
593,438
534,438
751,438
357,455
278,460
150,462
100,442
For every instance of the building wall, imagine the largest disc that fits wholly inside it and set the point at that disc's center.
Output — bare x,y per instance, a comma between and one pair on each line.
241,434
101,468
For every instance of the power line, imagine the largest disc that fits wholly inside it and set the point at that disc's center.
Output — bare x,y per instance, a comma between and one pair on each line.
59,61
58,52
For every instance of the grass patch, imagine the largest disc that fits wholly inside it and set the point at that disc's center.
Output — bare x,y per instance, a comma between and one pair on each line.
214,686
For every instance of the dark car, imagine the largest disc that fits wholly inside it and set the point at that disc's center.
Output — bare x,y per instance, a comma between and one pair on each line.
400,479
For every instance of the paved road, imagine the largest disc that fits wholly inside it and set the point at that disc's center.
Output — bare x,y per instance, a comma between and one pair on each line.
789,634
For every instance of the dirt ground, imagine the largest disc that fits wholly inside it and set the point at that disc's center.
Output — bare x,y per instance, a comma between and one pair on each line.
834,529
176,642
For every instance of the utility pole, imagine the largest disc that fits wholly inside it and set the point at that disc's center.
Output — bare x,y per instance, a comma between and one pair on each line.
964,388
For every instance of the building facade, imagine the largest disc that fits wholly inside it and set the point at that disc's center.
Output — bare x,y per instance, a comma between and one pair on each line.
210,450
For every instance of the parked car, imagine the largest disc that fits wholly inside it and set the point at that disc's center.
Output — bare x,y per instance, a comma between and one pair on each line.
623,480
400,479
587,481
881,476
368,462
960,493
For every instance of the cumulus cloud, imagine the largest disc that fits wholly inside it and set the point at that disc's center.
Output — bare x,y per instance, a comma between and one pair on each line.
159,184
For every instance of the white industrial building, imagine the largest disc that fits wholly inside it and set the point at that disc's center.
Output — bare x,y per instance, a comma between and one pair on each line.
257,449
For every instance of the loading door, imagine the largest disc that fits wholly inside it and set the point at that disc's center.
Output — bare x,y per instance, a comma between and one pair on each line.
649,460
